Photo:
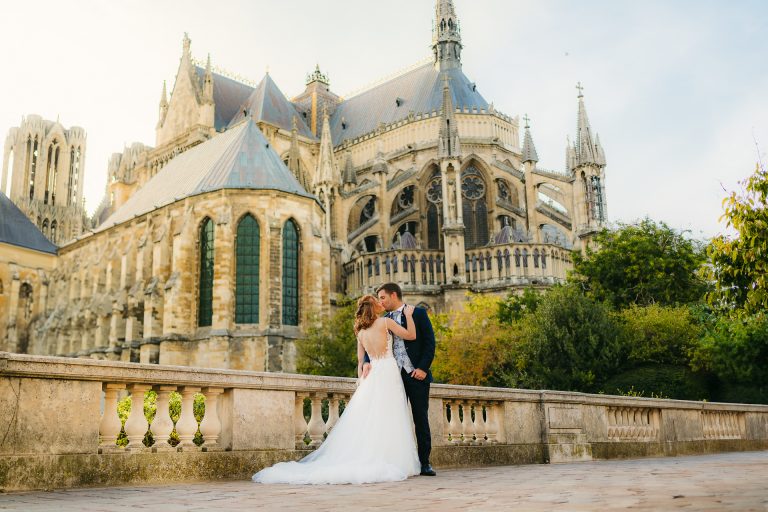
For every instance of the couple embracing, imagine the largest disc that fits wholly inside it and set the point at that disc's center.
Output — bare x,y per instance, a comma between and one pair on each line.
373,441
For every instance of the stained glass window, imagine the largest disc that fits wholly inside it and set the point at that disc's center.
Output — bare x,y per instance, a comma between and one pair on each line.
290,274
205,302
247,273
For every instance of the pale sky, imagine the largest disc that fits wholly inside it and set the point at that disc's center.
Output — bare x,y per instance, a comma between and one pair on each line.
676,89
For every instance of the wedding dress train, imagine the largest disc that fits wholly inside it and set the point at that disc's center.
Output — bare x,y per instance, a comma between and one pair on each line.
373,441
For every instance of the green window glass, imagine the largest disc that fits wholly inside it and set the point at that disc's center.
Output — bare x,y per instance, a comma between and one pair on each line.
247,274
205,302
290,274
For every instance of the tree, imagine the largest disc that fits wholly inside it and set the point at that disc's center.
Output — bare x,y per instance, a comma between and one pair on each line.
470,343
659,334
330,347
515,307
740,264
570,343
643,263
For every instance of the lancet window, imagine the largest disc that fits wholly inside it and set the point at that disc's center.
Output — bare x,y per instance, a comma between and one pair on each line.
290,274
247,248
205,301
434,213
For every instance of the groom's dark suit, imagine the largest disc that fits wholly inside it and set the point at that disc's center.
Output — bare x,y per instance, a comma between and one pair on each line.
421,352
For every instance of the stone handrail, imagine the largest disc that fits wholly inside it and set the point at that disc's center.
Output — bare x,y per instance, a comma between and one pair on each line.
60,413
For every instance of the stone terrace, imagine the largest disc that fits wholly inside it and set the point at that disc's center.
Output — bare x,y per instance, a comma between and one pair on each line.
734,481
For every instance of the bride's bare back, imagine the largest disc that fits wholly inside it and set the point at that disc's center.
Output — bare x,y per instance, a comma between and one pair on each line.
375,339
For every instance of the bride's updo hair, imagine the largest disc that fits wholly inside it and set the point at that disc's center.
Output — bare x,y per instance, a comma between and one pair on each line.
365,315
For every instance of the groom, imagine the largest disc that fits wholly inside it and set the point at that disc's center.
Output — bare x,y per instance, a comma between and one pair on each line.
414,359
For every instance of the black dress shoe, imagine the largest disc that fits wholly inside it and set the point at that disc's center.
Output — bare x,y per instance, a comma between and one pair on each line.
427,471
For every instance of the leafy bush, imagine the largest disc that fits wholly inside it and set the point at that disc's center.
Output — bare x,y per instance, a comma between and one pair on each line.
659,334
660,380
330,346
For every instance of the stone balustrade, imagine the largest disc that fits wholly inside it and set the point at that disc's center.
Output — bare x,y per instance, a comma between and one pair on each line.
60,425
497,266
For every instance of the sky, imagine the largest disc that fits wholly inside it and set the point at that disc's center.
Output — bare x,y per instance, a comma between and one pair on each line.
676,89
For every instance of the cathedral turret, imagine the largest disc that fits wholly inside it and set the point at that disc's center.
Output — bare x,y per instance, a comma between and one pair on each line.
327,172
449,145
208,82
529,150
586,161
446,36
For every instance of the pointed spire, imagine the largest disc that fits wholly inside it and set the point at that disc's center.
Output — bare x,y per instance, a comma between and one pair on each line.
327,170
186,45
449,145
529,150
164,96
208,82
294,155
446,36
586,149
350,176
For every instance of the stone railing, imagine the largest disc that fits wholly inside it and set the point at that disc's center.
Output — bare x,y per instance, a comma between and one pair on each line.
497,266
60,425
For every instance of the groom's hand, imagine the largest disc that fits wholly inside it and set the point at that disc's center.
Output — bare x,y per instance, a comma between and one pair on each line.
366,370
418,374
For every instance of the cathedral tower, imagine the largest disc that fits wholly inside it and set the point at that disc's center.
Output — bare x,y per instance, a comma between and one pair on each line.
446,36
43,170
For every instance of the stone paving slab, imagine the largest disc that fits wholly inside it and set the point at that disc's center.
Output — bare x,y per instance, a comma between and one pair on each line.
733,481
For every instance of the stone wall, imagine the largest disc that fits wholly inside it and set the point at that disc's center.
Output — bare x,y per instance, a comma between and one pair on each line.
60,423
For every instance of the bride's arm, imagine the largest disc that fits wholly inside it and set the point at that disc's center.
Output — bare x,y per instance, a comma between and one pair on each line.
406,334
360,358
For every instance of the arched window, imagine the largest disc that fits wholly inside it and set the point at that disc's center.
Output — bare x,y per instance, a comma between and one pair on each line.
290,274
525,258
54,225
205,300
248,244
474,208
536,258
434,212
33,149
45,228
25,302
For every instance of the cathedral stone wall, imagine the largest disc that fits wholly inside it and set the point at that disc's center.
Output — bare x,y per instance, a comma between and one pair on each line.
131,292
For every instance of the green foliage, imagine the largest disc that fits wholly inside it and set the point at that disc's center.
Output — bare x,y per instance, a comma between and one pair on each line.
471,343
736,350
659,335
150,410
659,381
570,343
330,346
515,307
740,265
644,263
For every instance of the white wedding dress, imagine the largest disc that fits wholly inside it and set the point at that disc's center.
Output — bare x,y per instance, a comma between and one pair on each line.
373,441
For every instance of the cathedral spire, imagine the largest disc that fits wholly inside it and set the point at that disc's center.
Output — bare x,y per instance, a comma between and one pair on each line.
587,147
529,150
327,170
164,96
448,145
208,82
446,36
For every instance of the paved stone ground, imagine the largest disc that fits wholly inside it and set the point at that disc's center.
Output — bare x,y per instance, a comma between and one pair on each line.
733,481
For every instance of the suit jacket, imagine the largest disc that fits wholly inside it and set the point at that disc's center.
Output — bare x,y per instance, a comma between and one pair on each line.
421,351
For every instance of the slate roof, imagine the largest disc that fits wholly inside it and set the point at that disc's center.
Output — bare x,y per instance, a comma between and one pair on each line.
239,158
268,103
419,90
17,229
228,95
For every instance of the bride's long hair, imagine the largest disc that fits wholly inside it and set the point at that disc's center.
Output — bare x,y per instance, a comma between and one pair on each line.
365,315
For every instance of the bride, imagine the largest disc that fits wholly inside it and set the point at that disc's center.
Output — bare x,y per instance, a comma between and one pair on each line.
373,441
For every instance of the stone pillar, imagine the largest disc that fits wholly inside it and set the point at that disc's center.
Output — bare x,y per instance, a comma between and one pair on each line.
275,273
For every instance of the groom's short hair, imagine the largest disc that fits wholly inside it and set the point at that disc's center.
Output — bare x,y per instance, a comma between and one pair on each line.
391,288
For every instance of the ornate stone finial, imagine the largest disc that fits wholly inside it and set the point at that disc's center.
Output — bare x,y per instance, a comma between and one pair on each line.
187,43
318,76
580,89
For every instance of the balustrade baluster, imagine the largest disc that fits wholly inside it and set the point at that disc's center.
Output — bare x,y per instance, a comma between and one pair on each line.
491,423
481,423
210,427
446,424
453,425
467,428
186,427
162,426
333,412
136,425
316,424
109,427
300,423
